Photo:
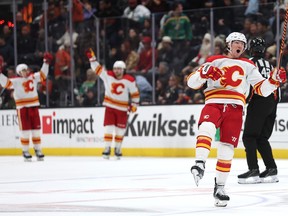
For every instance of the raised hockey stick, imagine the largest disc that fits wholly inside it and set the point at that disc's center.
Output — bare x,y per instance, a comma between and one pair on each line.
282,40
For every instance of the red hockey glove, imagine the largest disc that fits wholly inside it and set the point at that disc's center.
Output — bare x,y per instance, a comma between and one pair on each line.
132,108
48,57
207,71
278,76
90,54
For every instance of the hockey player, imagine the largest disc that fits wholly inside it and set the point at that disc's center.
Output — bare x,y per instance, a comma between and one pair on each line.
259,123
227,78
27,104
120,90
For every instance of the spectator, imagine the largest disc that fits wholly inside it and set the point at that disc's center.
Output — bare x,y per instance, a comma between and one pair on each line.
41,47
224,17
7,34
252,8
265,31
65,38
90,99
110,23
146,29
130,56
134,39
145,60
84,40
219,45
62,68
165,50
157,6
160,90
88,14
7,52
88,84
77,15
246,26
56,16
26,45
178,26
174,92
136,12
145,89
19,21
282,12
162,72
205,49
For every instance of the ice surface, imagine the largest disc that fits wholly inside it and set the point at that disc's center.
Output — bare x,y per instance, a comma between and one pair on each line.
135,186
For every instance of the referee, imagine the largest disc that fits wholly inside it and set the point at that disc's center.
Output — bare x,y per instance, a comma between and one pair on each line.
258,127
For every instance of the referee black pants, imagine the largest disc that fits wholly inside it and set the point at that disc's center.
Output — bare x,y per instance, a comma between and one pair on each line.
258,127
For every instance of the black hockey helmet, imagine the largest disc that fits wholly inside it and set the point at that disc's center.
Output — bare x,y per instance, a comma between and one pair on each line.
257,46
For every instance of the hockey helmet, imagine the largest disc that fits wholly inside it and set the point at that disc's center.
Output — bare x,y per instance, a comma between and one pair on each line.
236,36
257,45
20,68
119,64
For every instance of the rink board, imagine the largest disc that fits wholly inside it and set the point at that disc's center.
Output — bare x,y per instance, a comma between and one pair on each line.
152,131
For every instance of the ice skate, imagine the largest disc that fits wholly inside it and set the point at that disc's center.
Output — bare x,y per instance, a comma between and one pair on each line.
198,171
221,198
118,153
250,177
27,156
106,153
269,176
39,155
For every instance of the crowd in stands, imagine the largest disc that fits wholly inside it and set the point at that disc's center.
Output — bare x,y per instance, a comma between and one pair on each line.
159,54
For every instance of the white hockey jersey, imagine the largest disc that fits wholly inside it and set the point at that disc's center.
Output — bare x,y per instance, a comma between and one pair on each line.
25,89
231,88
117,91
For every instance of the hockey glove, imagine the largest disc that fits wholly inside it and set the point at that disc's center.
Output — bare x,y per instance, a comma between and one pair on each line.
132,108
278,76
90,54
48,57
207,71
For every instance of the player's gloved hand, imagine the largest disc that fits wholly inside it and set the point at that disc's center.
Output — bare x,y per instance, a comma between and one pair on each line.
207,71
132,108
90,54
278,76
47,57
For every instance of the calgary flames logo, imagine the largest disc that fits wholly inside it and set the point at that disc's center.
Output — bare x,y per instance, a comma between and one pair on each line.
233,76
117,88
28,86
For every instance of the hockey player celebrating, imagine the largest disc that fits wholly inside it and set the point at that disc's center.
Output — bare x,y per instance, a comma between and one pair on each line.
120,89
27,104
227,78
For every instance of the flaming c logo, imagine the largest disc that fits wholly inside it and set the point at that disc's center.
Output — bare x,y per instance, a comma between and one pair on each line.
233,76
117,88
28,86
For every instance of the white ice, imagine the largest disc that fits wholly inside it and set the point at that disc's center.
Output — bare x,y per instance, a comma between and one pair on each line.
138,186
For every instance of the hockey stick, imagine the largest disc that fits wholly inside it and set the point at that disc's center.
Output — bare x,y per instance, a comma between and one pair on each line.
282,40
